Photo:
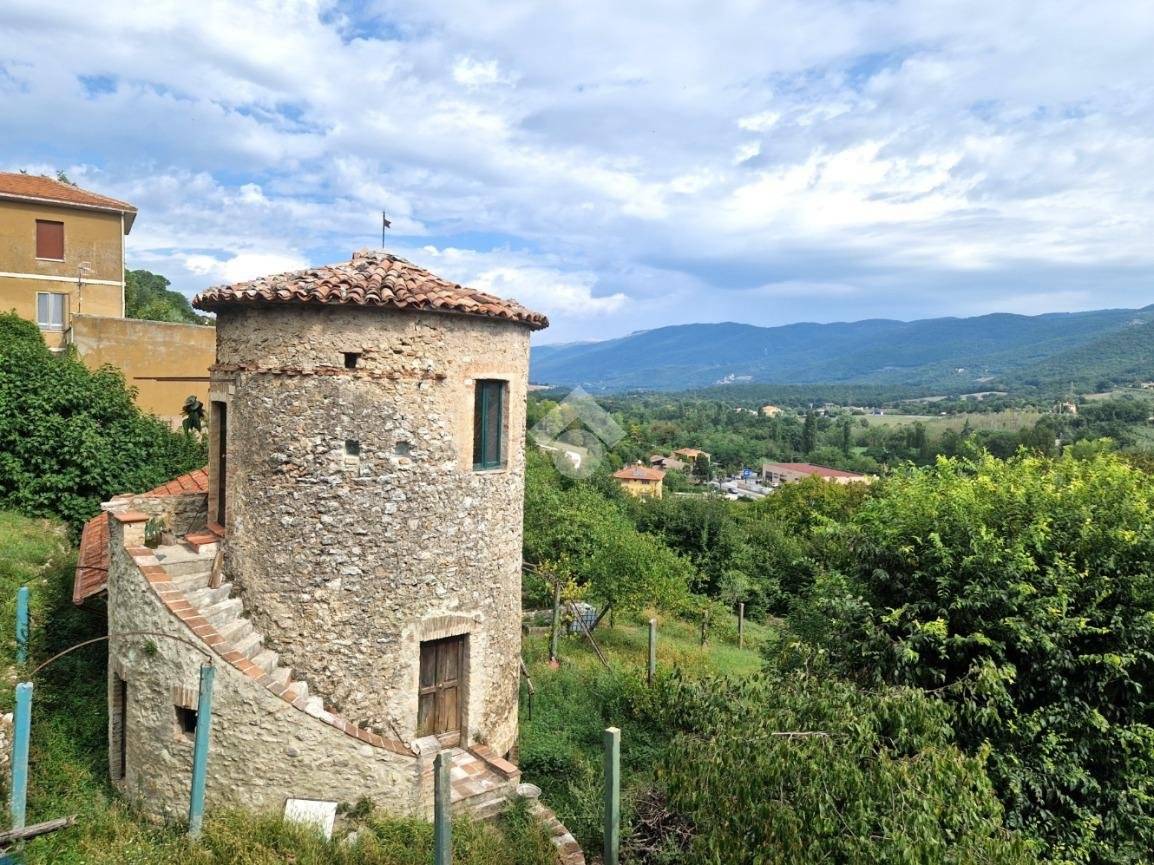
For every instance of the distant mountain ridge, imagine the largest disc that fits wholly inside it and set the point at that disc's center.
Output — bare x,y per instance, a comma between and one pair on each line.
956,354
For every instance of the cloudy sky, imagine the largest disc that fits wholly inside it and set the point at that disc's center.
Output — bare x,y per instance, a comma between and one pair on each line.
619,165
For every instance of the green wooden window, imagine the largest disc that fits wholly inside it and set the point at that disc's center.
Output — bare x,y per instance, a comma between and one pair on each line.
489,424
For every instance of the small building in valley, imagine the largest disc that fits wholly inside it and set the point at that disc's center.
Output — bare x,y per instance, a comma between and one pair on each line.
641,481
691,455
776,474
658,461
350,562
770,410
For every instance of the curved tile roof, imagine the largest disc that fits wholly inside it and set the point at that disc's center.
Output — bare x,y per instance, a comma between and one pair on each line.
372,278
31,187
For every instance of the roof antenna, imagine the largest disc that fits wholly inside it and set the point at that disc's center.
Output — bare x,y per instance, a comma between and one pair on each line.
386,224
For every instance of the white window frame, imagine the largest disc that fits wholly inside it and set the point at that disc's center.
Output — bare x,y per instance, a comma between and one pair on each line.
49,325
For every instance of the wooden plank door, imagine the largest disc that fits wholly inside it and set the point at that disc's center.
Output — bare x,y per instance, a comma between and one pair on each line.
441,689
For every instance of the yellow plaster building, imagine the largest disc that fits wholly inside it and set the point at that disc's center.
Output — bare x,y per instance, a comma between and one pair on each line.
641,480
61,252
62,266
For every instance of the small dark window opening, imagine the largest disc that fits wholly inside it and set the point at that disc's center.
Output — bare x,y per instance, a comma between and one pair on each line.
352,448
186,721
488,424
403,449
120,726
219,438
352,358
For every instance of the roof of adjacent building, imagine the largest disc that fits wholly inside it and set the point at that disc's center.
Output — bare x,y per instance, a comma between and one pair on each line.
691,452
810,469
639,473
372,278
92,561
32,187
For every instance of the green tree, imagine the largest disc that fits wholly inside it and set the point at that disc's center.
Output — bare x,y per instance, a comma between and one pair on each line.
1021,593
809,432
147,295
71,437
610,559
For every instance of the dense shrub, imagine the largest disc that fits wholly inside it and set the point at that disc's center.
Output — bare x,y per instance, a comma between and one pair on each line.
1022,594
71,437
788,769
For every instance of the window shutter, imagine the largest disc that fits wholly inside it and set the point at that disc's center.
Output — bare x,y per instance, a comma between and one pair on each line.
49,239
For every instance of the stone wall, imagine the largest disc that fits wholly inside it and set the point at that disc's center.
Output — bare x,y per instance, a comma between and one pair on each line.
348,563
263,749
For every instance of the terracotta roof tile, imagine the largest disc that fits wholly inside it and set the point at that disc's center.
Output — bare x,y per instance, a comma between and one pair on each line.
92,561
639,473
372,278
810,469
32,187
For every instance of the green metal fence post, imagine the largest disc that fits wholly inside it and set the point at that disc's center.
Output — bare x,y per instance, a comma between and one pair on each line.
741,625
652,650
22,624
442,811
612,843
18,805
200,751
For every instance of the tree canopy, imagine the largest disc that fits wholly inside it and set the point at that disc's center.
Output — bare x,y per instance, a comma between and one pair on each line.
148,295
71,437
1020,592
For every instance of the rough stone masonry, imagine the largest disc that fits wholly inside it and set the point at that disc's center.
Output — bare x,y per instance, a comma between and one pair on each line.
349,560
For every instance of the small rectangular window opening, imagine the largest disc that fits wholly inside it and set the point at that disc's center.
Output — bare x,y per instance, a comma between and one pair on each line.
186,721
488,424
352,453
120,727
352,358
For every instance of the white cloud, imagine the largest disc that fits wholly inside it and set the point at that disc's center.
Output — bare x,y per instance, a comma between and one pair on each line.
245,266
618,166
478,73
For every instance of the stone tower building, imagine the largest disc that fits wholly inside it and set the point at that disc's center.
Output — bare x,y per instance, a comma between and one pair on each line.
353,566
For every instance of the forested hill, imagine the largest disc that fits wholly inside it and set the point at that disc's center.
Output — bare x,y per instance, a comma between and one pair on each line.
957,354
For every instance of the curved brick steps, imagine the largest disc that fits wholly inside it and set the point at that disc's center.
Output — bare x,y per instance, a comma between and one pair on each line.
181,574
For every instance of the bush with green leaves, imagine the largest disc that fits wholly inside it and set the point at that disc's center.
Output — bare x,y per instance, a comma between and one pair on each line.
1020,593
71,437
783,768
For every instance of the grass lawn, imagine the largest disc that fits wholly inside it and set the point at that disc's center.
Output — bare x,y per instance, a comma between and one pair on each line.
69,772
1002,421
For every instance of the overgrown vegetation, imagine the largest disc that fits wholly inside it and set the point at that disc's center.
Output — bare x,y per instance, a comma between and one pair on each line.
974,637
1021,593
71,437
147,295
69,770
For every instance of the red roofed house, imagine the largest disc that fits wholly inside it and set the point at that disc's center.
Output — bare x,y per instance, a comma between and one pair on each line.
62,267
777,474
639,480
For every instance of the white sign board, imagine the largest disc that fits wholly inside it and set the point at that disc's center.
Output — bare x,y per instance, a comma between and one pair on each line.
312,812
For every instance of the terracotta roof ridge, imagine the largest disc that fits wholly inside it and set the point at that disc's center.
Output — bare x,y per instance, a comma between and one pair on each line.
371,278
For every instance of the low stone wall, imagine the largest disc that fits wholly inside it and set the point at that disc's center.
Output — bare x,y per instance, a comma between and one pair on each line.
263,749
181,513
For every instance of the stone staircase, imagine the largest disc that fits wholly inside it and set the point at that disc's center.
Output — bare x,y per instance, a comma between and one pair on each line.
477,787
189,568
483,784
